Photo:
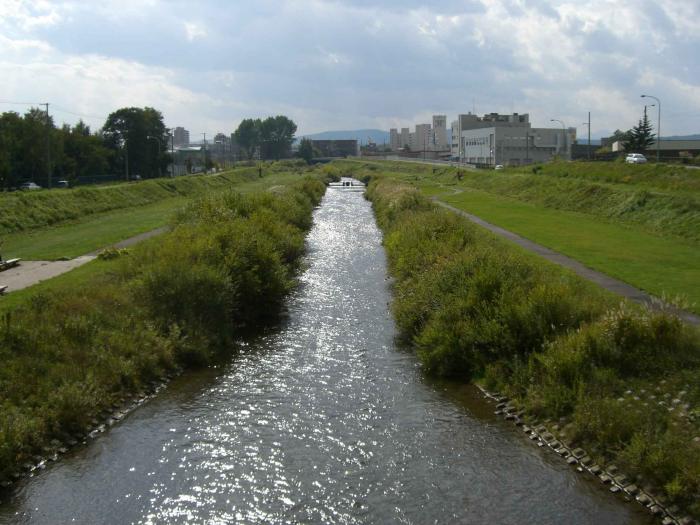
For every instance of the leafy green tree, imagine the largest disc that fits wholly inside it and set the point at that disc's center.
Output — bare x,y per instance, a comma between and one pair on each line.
641,136
306,150
84,153
276,137
248,136
137,134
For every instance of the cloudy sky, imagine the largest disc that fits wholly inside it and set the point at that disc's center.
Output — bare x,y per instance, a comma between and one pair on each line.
351,64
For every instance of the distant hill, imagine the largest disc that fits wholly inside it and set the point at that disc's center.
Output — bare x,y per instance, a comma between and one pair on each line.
363,135
682,137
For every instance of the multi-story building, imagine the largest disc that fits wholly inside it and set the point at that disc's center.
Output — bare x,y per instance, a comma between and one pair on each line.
507,139
405,138
394,140
440,133
181,137
423,138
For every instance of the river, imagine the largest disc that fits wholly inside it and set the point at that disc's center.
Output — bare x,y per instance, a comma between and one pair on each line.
321,420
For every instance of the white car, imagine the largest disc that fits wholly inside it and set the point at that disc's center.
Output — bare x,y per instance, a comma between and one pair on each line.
635,158
498,167
29,186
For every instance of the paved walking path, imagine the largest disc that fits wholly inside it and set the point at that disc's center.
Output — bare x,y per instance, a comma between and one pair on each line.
607,282
29,273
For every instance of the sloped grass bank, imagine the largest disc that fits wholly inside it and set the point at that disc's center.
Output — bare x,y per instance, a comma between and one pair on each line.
659,199
180,300
23,211
622,381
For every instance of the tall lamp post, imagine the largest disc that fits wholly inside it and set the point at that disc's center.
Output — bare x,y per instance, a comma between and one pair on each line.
151,137
563,131
658,126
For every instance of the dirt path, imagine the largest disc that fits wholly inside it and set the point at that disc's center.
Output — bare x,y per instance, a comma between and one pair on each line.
29,273
607,282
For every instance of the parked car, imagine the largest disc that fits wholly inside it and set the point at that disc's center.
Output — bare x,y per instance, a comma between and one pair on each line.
63,184
635,158
498,167
29,186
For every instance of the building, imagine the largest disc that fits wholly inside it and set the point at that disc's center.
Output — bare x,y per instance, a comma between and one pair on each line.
440,133
507,139
669,150
405,138
394,140
423,138
336,148
181,137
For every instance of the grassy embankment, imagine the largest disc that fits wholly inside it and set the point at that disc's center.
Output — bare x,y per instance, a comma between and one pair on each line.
74,346
53,224
478,308
640,224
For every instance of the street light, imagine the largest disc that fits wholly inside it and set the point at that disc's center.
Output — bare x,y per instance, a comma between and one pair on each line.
563,131
160,174
658,126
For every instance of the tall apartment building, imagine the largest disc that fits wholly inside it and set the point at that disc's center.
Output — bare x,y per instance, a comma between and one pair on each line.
394,140
405,138
440,133
423,138
181,137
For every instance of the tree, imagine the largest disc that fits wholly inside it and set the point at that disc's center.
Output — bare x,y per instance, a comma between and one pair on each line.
83,153
248,136
306,150
136,136
641,136
276,136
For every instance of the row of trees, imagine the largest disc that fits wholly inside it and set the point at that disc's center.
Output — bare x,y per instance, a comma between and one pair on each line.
270,138
132,141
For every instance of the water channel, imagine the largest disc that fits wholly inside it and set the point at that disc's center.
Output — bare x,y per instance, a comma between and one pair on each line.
322,420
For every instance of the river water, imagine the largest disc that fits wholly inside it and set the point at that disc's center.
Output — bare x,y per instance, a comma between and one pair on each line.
322,420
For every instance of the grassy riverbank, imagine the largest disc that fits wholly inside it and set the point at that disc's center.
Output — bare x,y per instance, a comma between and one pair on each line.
97,230
643,231
70,351
623,382
27,211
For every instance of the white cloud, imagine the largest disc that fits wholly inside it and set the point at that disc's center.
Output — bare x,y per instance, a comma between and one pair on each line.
194,31
356,63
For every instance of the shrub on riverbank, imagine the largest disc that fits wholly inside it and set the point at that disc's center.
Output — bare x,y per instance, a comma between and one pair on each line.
478,308
175,301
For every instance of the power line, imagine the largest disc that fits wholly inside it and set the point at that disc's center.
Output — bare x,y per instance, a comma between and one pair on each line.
60,109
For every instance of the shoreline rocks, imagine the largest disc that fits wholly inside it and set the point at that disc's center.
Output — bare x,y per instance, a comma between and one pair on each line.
583,462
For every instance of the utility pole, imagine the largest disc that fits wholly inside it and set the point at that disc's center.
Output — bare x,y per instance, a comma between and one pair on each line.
205,153
588,149
527,147
48,146
126,159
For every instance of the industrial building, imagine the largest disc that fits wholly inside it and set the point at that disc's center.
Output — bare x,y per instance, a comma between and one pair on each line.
508,140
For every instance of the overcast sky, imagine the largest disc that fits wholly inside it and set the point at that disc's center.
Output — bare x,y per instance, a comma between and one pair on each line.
351,64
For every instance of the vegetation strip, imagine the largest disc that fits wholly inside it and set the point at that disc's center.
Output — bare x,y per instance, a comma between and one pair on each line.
75,354
618,380
607,282
663,265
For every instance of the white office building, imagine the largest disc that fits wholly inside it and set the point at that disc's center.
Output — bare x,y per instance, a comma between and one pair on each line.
508,140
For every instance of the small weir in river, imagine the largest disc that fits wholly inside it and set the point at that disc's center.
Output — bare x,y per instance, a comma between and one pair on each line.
321,420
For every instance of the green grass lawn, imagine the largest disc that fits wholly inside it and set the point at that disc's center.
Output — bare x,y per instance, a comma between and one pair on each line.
92,233
66,281
97,231
661,266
